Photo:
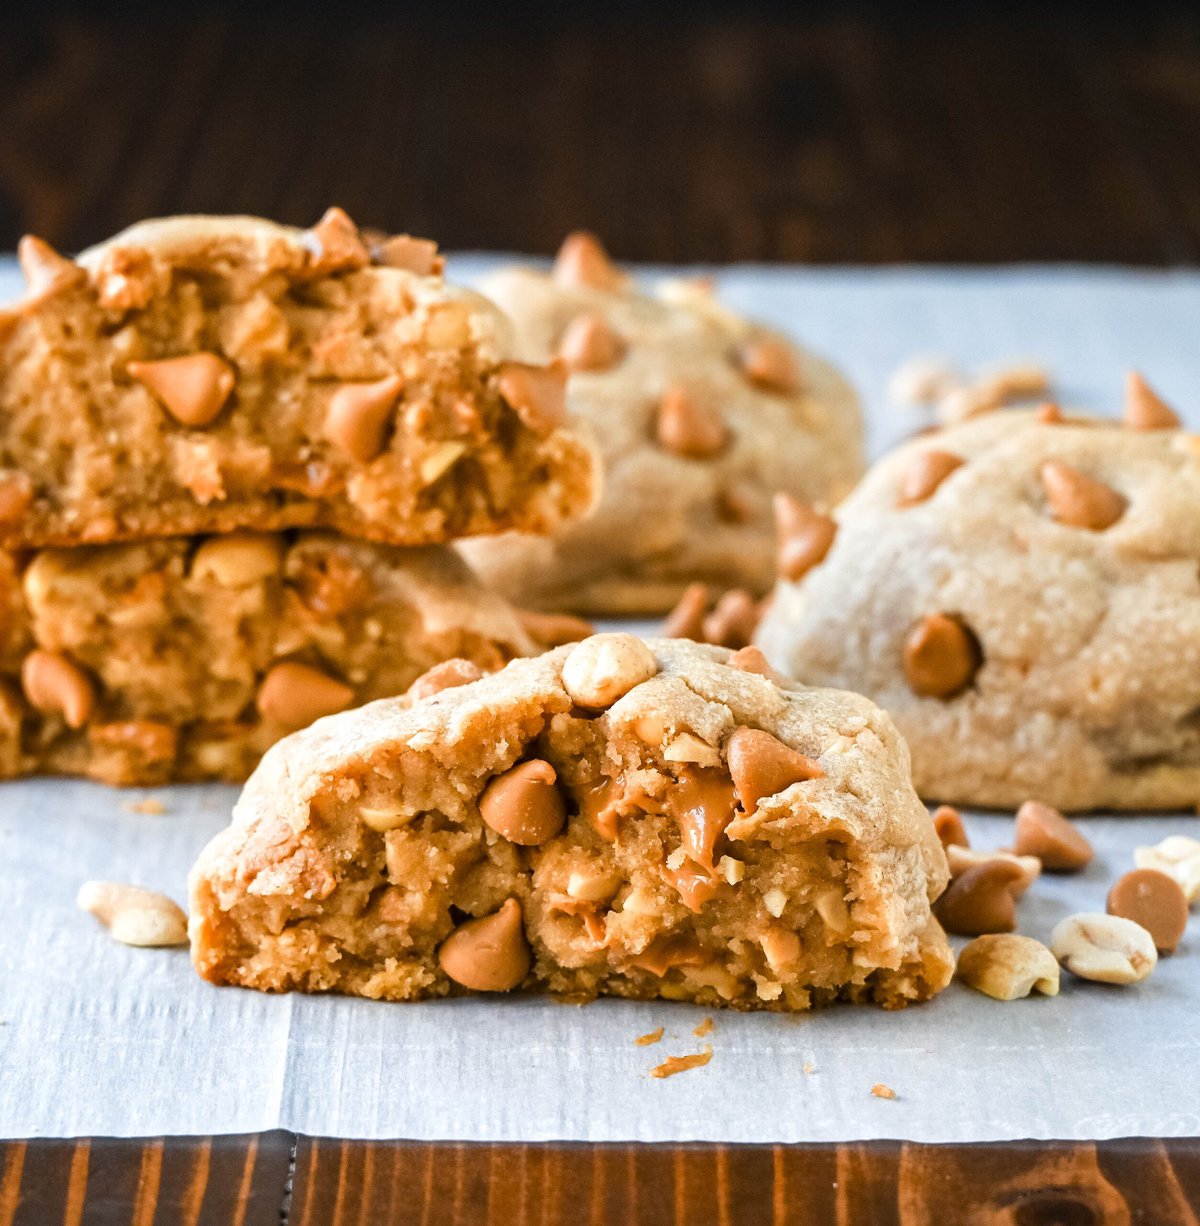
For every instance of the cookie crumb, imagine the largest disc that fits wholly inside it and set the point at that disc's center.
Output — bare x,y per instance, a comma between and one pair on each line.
644,1040
808,1067
680,1064
151,806
705,1027
882,1091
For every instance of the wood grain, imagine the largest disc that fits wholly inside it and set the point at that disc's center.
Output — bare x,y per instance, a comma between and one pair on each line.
277,1179
818,132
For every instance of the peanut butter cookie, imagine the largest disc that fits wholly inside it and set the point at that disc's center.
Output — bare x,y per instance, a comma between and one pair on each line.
207,374
183,659
618,817
1022,594
700,416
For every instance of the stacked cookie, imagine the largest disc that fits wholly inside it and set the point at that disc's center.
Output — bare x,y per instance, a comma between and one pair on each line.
231,457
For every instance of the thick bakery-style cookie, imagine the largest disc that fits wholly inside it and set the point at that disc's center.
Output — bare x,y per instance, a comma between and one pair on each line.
1022,594
182,659
700,417
615,817
206,374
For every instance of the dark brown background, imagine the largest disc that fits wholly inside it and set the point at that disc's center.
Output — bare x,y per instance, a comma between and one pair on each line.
813,132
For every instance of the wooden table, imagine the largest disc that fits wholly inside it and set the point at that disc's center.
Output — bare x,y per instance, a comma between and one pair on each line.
835,133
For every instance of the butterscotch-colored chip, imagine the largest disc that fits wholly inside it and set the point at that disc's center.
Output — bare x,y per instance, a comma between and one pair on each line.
238,560
489,954
762,765
192,388
770,363
1049,414
444,676
524,804
56,685
16,493
1005,966
606,667
948,823
686,619
555,629
359,414
981,900
926,472
1104,948
334,245
751,660
732,621
1080,501
1144,408
1154,900
294,695
582,260
536,393
686,427
941,656
804,535
45,271
589,343
1043,832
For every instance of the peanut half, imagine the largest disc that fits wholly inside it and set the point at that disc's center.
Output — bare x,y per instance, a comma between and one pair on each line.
132,915
1005,966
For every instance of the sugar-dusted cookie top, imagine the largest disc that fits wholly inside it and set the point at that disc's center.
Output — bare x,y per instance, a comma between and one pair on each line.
201,374
700,416
1022,593
637,801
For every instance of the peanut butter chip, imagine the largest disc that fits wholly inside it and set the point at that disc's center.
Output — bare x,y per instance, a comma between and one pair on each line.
1080,501
16,493
555,629
1044,832
415,255
924,474
46,272
489,954
335,245
762,765
941,657
1049,414
686,619
981,899
1153,900
447,675
294,695
538,394
1144,409
523,804
358,416
589,343
686,427
582,260
733,620
804,535
192,388
751,660
948,823
606,667
770,363
56,685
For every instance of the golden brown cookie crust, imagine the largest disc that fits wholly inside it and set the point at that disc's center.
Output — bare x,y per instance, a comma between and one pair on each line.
183,659
207,374
1080,594
694,445
358,845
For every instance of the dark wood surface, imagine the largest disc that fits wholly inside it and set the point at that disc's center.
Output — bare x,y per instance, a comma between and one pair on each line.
814,132
278,1179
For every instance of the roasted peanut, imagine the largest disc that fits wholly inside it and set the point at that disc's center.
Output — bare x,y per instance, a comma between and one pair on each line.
1005,966
605,667
1178,856
1105,948
132,915
56,685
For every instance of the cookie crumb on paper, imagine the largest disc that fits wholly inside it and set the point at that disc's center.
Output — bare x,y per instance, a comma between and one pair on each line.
644,1040
680,1064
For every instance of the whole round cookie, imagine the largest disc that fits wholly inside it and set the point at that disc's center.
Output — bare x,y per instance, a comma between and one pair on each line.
700,417
1022,594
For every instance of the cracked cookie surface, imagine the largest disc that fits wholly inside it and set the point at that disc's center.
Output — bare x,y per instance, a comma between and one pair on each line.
1022,594
700,417
616,817
207,374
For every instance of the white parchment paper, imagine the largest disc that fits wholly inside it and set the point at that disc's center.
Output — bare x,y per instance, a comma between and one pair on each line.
97,1039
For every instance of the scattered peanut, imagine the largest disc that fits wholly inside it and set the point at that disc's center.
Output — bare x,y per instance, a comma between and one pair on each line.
1104,948
132,915
1008,967
1179,857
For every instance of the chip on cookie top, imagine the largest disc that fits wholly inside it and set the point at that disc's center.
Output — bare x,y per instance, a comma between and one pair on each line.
700,415
1020,592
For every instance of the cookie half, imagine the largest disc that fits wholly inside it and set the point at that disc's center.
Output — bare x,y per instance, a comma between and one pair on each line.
206,374
1022,594
184,659
612,818
700,416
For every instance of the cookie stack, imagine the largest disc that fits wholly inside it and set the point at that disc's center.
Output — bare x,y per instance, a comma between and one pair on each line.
231,457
